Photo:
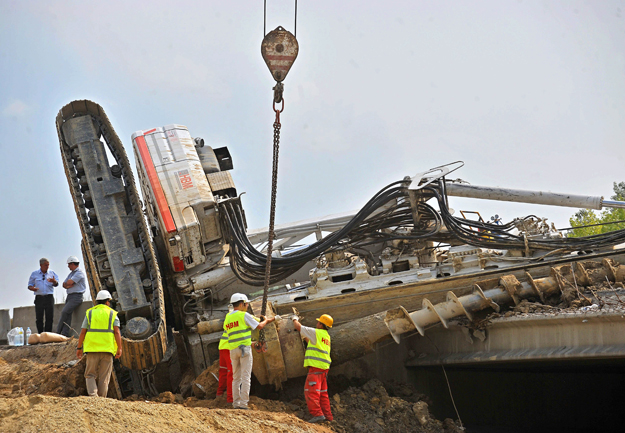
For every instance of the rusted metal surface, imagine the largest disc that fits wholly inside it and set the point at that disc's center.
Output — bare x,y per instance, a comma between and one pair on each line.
293,348
279,50
285,355
284,358
355,339
268,366
509,290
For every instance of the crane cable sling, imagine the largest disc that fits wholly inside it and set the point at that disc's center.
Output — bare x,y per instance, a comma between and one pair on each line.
272,215
279,50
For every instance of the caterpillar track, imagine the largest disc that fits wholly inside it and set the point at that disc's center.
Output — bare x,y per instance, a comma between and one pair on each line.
115,240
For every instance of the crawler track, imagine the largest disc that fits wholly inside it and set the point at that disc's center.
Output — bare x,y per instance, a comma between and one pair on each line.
119,252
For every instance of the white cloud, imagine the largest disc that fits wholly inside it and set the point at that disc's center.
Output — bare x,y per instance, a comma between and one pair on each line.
16,108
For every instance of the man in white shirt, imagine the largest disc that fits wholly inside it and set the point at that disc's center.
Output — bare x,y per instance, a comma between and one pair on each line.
76,285
238,326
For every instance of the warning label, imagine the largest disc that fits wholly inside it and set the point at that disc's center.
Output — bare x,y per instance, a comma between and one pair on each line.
184,179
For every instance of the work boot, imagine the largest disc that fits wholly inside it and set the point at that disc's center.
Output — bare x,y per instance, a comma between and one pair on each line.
316,419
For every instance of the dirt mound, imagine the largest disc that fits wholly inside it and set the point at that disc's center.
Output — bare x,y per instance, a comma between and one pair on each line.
50,369
50,353
25,377
28,374
371,409
88,414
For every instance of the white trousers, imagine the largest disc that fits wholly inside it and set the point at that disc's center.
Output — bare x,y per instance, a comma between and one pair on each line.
241,359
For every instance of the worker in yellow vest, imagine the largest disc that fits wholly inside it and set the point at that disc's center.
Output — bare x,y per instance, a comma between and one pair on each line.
239,326
317,359
100,340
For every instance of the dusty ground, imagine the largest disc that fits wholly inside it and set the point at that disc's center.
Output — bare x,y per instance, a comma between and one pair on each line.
84,414
36,381
50,369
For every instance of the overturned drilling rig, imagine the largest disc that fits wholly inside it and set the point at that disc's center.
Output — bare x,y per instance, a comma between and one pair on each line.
400,265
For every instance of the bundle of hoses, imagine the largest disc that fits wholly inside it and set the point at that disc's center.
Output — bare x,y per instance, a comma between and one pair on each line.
378,221
386,217
495,236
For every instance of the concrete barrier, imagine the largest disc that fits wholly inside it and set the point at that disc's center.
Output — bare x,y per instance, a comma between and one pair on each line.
5,325
25,317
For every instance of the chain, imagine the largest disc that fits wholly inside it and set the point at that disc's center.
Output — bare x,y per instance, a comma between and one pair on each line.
272,213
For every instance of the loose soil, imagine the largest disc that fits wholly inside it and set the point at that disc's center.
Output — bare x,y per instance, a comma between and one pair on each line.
370,408
90,414
36,381
45,369
602,296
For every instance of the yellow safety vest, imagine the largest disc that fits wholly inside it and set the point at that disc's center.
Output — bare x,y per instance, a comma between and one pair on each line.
100,335
239,333
318,355
223,342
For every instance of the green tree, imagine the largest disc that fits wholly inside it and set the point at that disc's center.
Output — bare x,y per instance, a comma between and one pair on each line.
586,217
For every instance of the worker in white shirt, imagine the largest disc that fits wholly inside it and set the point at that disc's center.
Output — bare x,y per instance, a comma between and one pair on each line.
239,325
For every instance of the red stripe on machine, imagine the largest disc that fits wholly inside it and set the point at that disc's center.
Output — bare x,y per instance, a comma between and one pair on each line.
156,185
279,57
149,132
280,67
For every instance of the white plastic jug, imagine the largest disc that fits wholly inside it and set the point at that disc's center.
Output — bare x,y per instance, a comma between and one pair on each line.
11,336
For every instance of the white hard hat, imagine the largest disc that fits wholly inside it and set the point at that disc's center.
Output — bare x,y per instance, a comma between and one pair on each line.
72,259
103,295
238,297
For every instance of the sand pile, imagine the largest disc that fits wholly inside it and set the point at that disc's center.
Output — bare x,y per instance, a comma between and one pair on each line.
87,414
50,369
34,378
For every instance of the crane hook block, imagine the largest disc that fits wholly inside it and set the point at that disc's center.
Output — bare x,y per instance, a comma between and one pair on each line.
279,50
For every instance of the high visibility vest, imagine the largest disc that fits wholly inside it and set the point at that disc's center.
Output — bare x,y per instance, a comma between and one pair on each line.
239,333
100,335
223,342
318,355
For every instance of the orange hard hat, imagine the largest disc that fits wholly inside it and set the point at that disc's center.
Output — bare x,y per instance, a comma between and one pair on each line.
326,319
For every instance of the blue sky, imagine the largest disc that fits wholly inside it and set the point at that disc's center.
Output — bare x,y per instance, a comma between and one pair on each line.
530,94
